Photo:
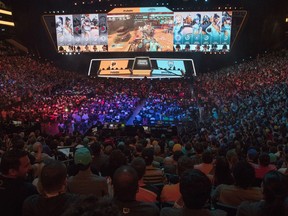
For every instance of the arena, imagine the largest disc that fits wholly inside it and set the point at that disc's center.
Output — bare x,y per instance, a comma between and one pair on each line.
162,108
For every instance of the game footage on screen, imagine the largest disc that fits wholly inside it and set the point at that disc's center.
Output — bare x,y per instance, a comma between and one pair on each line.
140,31
81,32
202,31
143,32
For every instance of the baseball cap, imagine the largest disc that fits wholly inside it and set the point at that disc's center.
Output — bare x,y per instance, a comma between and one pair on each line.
82,156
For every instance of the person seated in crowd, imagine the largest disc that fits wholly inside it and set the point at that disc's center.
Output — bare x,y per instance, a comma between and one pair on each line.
170,162
242,190
146,192
125,186
99,159
206,166
195,188
252,156
275,193
171,192
222,173
197,157
14,167
232,158
85,182
264,166
54,199
152,174
93,206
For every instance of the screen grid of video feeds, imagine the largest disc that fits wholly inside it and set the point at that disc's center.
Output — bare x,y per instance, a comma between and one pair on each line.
145,31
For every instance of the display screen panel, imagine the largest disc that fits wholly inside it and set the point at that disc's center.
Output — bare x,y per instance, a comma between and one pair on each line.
140,30
202,31
154,29
81,32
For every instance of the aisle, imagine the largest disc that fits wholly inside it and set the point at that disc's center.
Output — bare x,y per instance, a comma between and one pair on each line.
135,113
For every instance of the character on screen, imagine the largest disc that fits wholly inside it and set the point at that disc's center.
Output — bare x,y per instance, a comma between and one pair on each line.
224,48
205,23
215,26
59,26
226,23
95,48
105,48
154,45
177,48
77,26
206,47
86,25
187,48
196,25
178,24
68,31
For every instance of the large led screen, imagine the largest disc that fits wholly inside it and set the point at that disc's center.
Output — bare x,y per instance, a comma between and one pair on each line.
202,31
154,29
81,32
140,30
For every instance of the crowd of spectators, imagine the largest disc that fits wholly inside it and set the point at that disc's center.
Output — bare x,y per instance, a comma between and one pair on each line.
238,145
168,102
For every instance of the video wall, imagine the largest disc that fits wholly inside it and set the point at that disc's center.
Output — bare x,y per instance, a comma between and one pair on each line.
155,29
81,33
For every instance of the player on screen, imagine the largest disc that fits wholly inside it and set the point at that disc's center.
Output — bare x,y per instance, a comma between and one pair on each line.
196,25
59,26
86,26
178,24
67,31
205,23
226,23
214,29
154,45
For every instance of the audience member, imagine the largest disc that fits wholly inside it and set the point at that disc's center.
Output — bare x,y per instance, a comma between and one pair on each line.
125,185
15,166
195,188
54,200
242,190
275,193
85,182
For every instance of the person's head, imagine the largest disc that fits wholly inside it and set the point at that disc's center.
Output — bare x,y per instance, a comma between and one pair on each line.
125,183
93,206
96,148
37,146
252,155
15,163
53,177
139,165
195,188
199,148
177,155
148,155
232,158
222,172
264,159
184,163
275,191
82,158
244,174
207,157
